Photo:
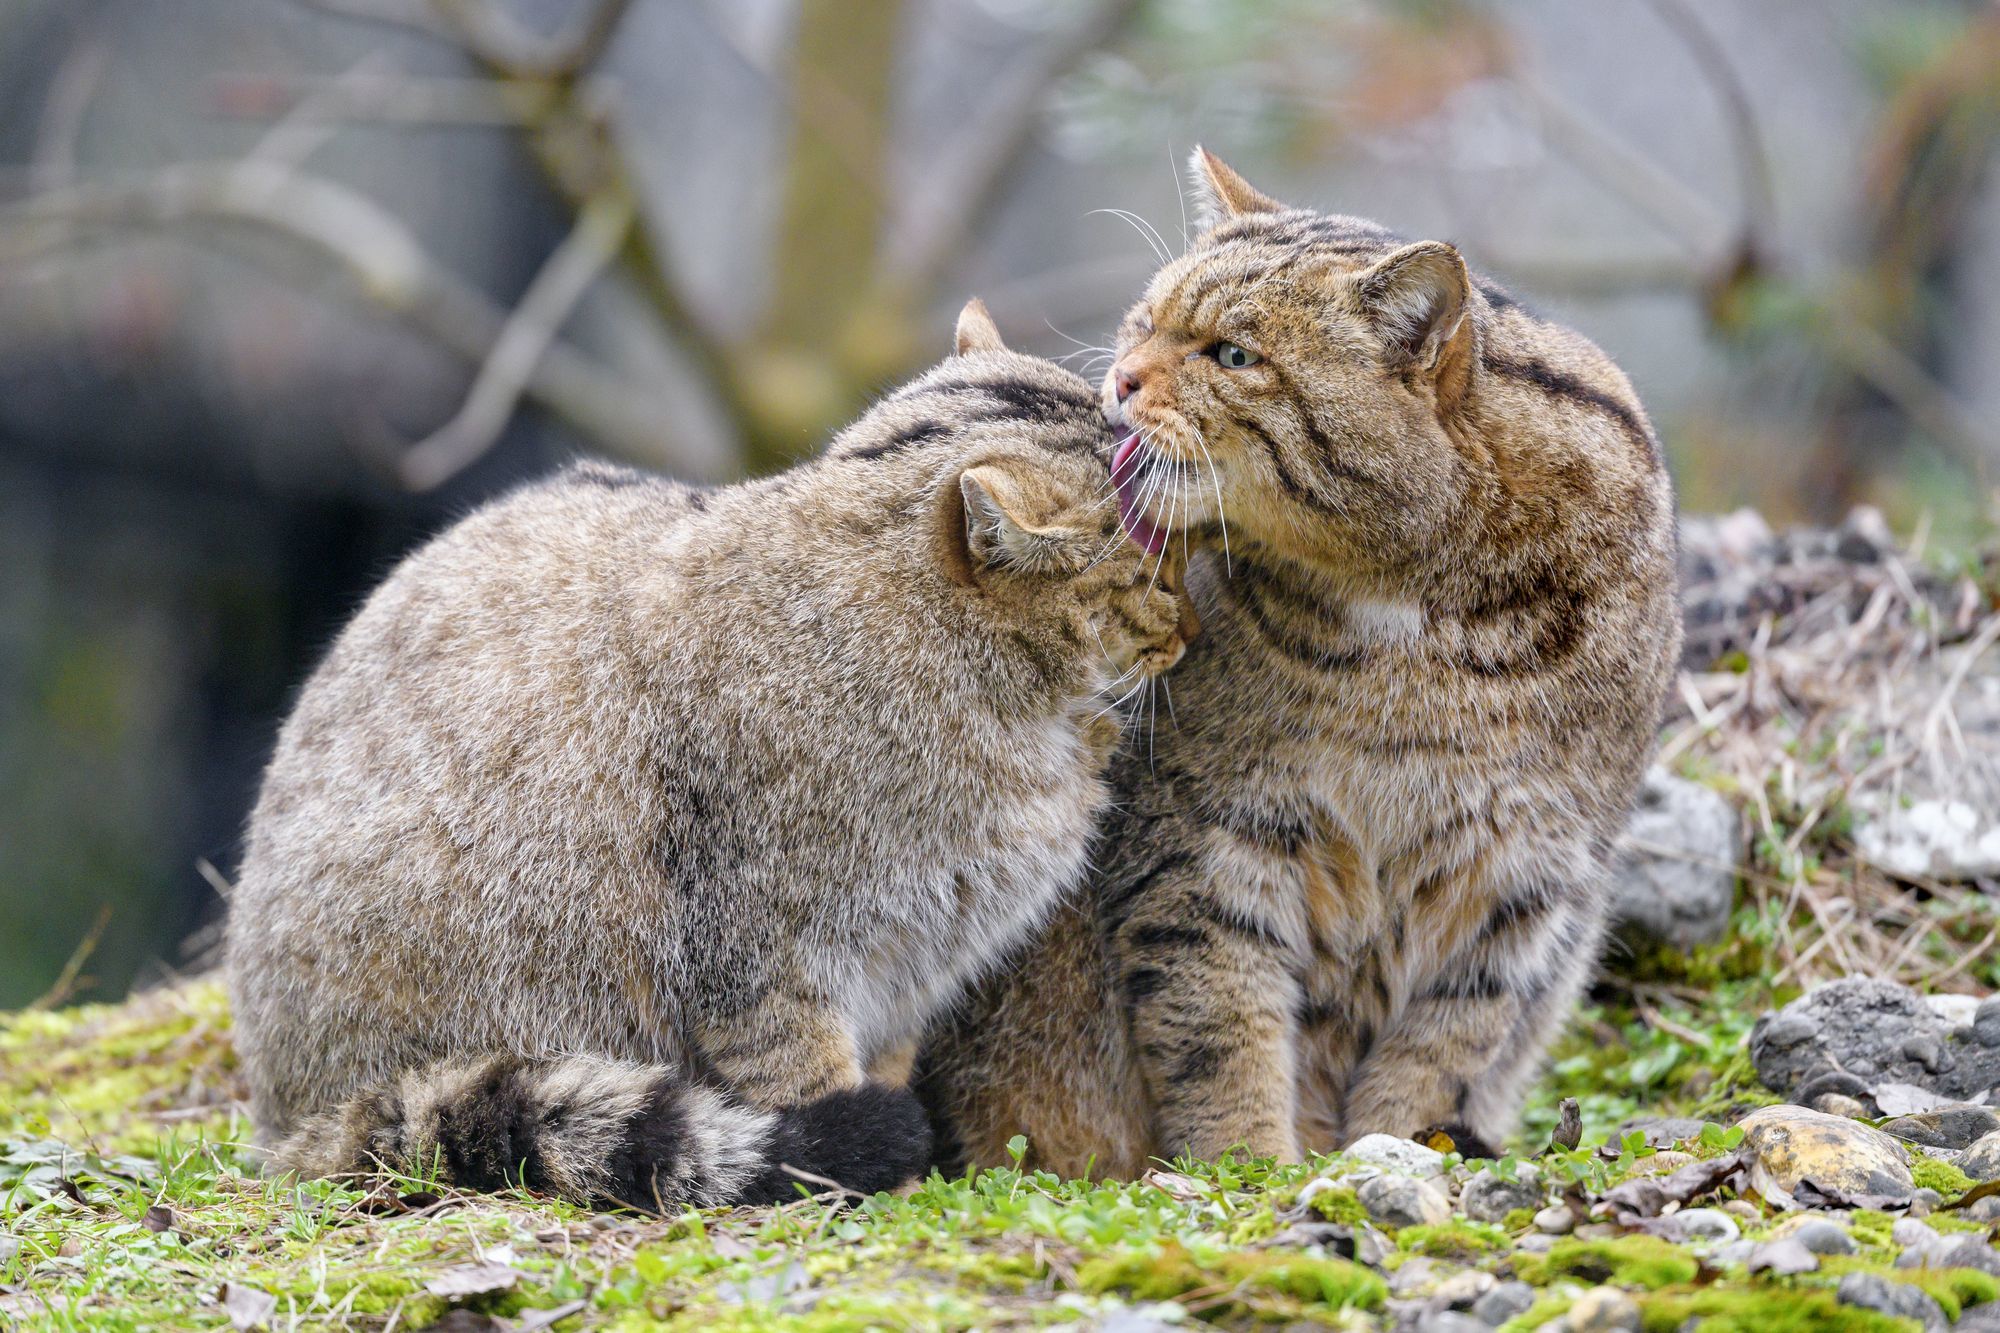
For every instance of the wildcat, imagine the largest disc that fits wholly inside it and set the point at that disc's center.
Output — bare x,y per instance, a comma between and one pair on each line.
628,827
1357,882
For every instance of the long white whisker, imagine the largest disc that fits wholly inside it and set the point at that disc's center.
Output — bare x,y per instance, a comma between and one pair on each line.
1143,227
1215,478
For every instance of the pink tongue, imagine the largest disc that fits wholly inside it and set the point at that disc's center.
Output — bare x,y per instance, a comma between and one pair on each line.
1137,525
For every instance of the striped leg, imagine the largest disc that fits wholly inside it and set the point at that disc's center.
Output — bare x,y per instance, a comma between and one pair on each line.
1458,1053
1212,1005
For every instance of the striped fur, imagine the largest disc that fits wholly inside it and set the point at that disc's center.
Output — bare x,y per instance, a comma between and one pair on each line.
1357,880
617,778
607,1132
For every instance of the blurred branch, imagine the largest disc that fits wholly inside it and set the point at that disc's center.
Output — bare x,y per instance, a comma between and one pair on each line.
76,82
965,184
523,342
497,41
313,119
1753,163
1654,192
376,250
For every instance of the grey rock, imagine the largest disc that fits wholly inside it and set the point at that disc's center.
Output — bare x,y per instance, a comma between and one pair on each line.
1986,1022
1536,1242
1706,1224
1924,1202
1967,1250
1735,1252
1907,1231
1985,1210
1398,1201
1784,1257
1824,1237
1870,1291
1952,1127
1676,886
1394,1154
1507,1301
1489,1198
1449,1321
1461,1289
1868,1029
1604,1310
1979,1319
1663,1131
1414,1277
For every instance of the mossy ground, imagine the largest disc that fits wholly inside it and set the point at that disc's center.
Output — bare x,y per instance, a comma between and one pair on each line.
164,1224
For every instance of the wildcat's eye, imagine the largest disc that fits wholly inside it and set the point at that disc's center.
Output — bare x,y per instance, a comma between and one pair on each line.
1232,357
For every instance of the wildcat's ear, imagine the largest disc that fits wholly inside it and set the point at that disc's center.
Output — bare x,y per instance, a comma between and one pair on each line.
976,330
1220,194
1000,530
1416,300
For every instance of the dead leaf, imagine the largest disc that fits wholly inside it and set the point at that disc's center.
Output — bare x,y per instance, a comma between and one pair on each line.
247,1307
1810,1194
729,1246
1183,1188
1906,1099
473,1280
158,1218
1974,1195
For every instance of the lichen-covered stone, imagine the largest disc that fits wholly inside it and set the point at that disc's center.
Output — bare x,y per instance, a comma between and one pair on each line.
1487,1197
1399,1201
1870,1291
1982,1160
1789,1144
1951,1127
1877,1032
1604,1310
1393,1154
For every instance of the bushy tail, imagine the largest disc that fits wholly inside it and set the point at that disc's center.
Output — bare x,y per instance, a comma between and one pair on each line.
598,1131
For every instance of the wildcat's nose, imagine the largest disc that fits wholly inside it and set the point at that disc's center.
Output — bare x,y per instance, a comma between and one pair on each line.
1125,383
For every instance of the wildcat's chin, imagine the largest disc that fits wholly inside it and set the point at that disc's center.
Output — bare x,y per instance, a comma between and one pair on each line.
1159,497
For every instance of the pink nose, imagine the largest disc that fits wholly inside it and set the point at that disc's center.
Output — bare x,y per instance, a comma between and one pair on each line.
1125,382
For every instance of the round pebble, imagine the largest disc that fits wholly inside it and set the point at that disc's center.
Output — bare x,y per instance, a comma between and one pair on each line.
1555,1220
1707,1224
1604,1310
1824,1237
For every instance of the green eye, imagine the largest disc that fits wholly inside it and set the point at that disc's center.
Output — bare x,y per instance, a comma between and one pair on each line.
1232,357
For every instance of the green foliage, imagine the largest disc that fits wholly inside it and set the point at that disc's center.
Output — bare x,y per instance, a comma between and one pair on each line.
1946,1179
1457,1239
1628,1261
1772,1308
1226,1280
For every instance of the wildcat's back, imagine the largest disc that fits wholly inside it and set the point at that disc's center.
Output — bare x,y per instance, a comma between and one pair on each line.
742,783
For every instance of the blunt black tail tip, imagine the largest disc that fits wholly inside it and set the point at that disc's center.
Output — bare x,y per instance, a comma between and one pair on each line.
867,1139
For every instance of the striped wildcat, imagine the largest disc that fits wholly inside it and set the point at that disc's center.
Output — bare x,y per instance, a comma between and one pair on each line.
1357,881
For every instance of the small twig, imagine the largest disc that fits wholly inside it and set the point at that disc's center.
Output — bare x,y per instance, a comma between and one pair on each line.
496,40
970,174
66,980
1988,634
829,1186
523,342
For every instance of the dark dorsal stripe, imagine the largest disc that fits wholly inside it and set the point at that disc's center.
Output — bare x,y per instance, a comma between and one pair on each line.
1558,384
1004,400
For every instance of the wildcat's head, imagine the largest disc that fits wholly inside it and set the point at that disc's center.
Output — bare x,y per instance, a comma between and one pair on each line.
1296,376
1013,454
1036,523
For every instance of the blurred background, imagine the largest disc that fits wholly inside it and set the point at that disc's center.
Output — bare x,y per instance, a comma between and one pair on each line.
287,284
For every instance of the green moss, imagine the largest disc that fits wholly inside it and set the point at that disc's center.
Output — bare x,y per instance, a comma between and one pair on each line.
1519,1219
1628,1261
1946,1179
1776,1308
1174,1272
101,1072
1871,1228
1456,1239
1340,1205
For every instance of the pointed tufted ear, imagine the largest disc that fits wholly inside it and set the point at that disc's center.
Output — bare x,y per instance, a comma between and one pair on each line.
1220,194
976,330
1003,526
1416,300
